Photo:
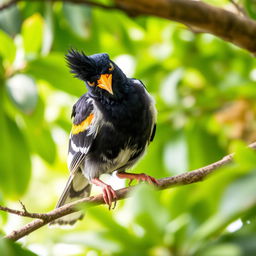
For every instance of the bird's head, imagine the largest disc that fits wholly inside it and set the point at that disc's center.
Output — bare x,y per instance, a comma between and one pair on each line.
101,75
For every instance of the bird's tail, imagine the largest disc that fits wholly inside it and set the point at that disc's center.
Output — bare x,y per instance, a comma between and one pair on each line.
77,187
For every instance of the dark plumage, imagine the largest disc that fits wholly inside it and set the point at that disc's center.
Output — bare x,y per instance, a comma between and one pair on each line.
113,123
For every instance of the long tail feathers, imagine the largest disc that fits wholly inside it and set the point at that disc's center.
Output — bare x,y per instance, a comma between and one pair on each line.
77,187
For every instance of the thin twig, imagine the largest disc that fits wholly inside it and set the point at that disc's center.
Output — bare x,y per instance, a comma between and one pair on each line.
239,8
44,218
23,213
23,206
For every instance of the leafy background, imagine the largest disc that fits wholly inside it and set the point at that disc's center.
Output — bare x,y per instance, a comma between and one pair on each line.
205,94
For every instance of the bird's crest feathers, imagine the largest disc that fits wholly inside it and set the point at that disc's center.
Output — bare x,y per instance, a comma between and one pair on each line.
81,65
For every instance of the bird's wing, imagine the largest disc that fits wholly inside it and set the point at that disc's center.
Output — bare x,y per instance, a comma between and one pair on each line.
83,132
152,107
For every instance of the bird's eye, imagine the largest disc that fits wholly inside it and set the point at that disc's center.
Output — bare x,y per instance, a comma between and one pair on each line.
91,83
111,67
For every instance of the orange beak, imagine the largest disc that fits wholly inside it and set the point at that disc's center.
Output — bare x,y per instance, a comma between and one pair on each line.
105,82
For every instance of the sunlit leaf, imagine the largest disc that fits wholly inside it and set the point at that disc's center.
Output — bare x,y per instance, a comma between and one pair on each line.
32,31
244,156
7,47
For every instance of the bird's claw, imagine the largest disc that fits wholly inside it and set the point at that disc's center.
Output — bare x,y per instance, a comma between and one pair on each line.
140,177
130,182
108,193
144,177
109,196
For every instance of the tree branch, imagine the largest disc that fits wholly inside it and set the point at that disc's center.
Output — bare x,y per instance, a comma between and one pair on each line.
202,17
198,15
169,182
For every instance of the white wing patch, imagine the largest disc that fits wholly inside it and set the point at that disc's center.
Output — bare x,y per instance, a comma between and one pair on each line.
97,121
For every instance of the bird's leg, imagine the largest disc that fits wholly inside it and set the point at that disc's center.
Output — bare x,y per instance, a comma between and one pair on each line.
109,194
135,176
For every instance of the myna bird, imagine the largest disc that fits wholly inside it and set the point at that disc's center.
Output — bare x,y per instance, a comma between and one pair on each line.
113,123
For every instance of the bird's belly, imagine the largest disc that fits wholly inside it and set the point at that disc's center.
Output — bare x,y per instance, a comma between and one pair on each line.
93,168
113,152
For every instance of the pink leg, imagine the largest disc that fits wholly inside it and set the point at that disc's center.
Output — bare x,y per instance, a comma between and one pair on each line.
109,194
139,177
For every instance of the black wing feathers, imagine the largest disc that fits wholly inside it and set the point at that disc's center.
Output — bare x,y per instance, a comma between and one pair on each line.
82,109
80,143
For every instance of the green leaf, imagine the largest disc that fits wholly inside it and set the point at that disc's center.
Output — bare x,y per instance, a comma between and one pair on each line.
118,232
20,158
23,92
10,248
238,199
144,208
7,47
15,168
244,156
244,238
250,8
32,33
43,145
10,20
54,70
203,147
6,169
222,249
3,214
78,18
97,240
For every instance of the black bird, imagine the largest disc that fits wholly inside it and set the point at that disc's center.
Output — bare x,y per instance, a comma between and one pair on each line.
113,123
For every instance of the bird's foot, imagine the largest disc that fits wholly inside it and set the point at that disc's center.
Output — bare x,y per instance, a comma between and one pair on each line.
139,177
109,194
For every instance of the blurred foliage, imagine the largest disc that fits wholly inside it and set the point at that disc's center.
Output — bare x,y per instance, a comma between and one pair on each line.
205,94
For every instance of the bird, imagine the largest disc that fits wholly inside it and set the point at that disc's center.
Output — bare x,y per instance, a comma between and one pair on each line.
113,123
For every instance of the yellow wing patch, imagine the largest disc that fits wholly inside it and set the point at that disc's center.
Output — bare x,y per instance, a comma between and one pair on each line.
77,128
